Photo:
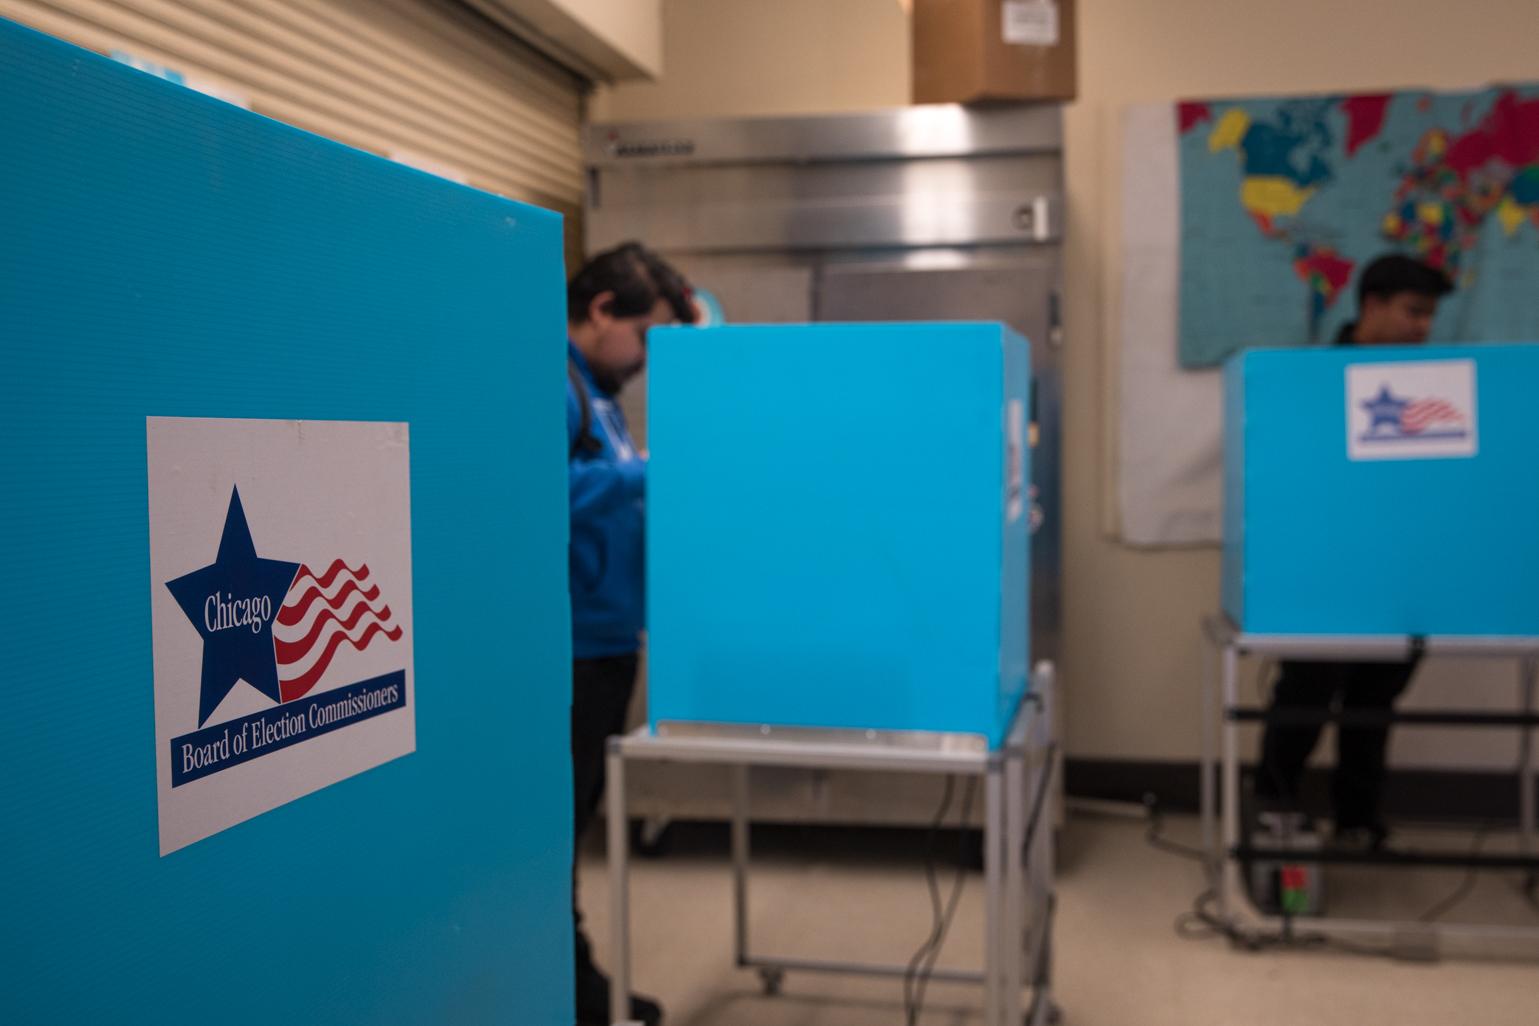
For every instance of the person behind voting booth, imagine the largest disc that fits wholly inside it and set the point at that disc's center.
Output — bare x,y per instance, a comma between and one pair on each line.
611,303
1397,299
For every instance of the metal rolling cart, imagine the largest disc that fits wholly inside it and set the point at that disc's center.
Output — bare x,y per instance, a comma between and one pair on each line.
1018,869
1220,783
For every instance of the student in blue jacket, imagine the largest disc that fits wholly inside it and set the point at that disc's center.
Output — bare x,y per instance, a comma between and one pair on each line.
611,303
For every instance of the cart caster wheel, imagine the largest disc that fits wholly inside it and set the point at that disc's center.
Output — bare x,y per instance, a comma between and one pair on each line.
772,980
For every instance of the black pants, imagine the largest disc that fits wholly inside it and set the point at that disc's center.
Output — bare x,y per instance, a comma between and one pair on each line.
1358,782
601,694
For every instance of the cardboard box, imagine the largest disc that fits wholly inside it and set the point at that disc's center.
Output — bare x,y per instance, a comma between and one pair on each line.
837,526
973,50
198,301
1382,491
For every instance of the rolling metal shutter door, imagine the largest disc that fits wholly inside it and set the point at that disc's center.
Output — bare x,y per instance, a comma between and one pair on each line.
427,81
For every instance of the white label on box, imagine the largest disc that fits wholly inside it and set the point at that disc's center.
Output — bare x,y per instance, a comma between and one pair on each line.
1031,22
281,617
1413,410
1015,460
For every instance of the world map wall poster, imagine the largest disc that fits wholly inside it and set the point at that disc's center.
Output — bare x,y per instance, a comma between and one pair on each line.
1283,201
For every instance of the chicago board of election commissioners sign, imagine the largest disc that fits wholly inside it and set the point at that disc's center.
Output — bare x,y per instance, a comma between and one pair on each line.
280,590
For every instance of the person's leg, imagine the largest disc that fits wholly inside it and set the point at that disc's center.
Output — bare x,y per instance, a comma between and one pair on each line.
1285,748
1357,787
587,741
601,695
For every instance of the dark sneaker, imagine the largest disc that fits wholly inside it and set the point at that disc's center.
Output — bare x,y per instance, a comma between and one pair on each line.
1284,822
643,1010
593,1001
1360,838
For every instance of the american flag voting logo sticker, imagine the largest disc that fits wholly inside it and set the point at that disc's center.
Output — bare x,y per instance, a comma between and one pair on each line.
280,579
1413,410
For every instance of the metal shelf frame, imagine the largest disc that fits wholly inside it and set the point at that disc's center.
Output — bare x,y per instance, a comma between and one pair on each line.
1018,848
1222,716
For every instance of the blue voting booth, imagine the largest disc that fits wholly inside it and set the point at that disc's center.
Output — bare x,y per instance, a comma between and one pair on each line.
837,526
1383,491
284,520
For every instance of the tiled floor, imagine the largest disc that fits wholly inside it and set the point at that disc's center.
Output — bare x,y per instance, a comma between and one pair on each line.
1119,961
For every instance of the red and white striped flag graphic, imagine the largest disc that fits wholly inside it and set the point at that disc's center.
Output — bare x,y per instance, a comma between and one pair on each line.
319,615
1423,414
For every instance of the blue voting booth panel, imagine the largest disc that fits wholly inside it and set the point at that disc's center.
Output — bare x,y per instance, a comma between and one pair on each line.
165,255
836,526
1383,491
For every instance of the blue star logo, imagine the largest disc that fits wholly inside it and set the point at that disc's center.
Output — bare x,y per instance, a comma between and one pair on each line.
1384,408
233,602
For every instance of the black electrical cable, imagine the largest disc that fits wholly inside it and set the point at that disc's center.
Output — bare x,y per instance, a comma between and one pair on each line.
1040,970
1155,834
933,884
942,925
1466,886
1049,757
916,976
1528,890
1203,923
923,982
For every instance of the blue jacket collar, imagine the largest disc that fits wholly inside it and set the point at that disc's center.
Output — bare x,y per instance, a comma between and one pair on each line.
581,362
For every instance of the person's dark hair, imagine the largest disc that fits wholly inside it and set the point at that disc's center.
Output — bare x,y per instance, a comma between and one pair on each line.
638,278
1393,274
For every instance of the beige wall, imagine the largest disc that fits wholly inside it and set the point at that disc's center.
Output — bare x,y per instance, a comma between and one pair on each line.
1132,652
739,58
634,27
1131,662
